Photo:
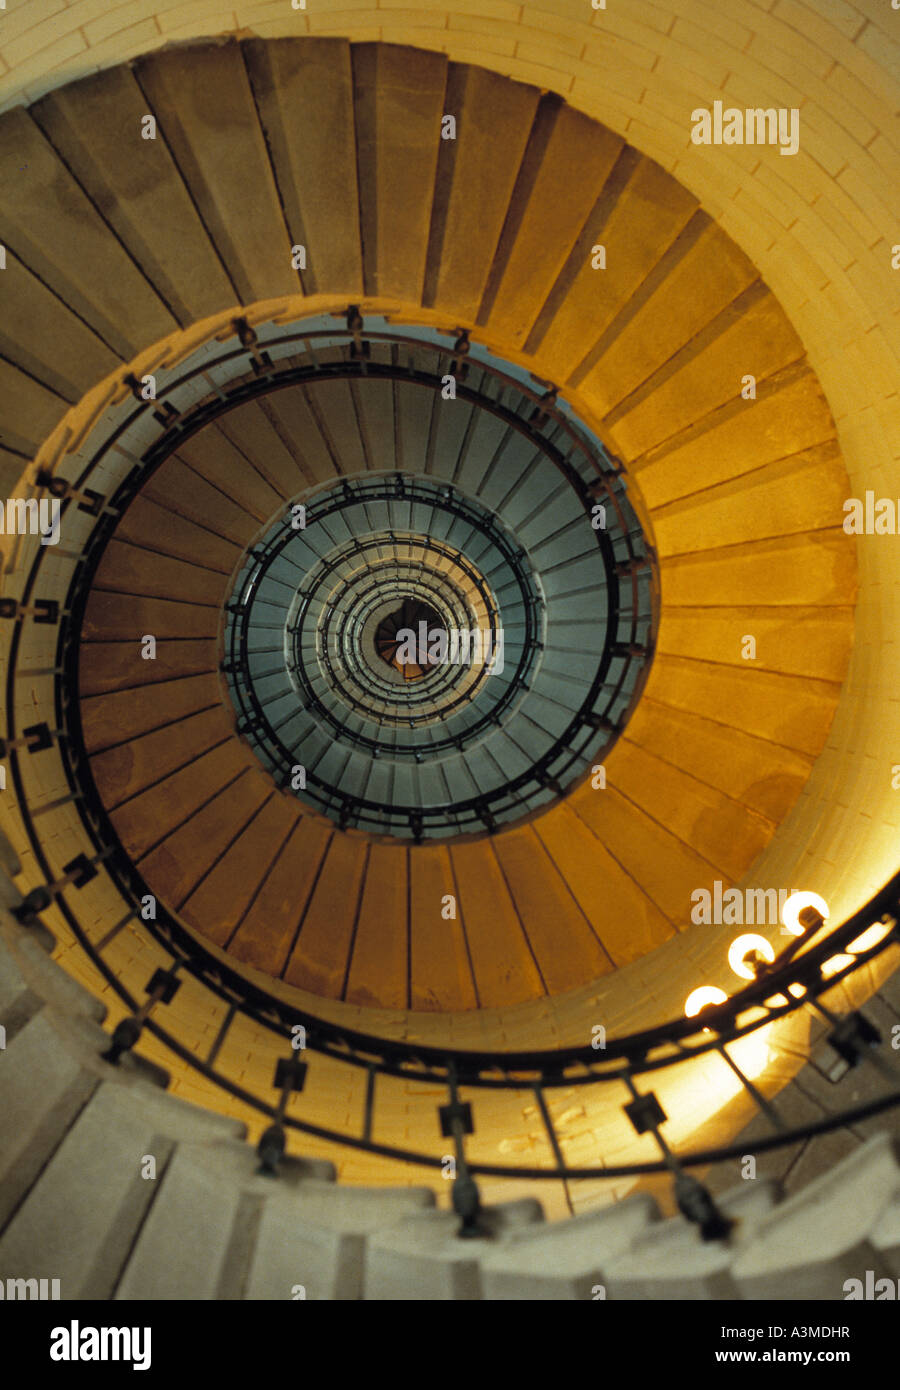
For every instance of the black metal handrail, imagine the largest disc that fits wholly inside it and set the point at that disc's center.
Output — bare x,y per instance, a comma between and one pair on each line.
547,1069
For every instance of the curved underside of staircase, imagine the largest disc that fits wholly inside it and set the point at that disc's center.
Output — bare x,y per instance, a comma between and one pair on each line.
125,254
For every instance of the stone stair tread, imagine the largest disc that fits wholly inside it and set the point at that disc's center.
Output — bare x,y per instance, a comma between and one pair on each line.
222,1229
181,1119
81,1240
290,1252
436,1230
42,1089
317,1236
886,1238
27,988
237,1164
10,863
425,1252
825,1231
171,242
91,1041
53,984
80,1217
183,1246
10,930
360,1209
546,1261
18,1001
671,1259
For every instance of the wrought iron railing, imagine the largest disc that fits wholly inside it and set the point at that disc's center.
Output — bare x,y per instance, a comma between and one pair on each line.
796,981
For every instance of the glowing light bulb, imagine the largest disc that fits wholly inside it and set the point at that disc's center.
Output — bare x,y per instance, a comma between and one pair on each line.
751,1054
701,998
831,967
741,947
790,913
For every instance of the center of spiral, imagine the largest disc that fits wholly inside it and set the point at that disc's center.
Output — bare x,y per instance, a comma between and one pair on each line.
413,659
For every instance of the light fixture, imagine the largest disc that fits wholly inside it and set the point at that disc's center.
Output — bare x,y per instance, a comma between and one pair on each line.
750,1054
799,903
702,998
744,947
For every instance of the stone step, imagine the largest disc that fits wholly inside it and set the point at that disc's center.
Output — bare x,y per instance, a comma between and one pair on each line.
135,568
69,248
637,191
80,1218
318,1237
398,96
672,1261
751,335
147,818
217,138
567,160
47,980
566,1259
201,1228
303,89
469,211
886,1237
212,456
626,918
10,863
504,972
701,274
826,1233
43,337
10,931
426,1254
18,1001
548,913
42,1089
440,971
96,126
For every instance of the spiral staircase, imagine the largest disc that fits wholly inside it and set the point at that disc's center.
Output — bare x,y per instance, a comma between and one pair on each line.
290,291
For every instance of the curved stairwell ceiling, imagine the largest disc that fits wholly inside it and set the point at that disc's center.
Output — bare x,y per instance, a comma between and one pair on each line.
494,234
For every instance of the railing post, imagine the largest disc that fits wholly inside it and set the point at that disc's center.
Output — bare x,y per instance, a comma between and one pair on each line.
161,990
694,1200
554,1141
456,1121
290,1075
